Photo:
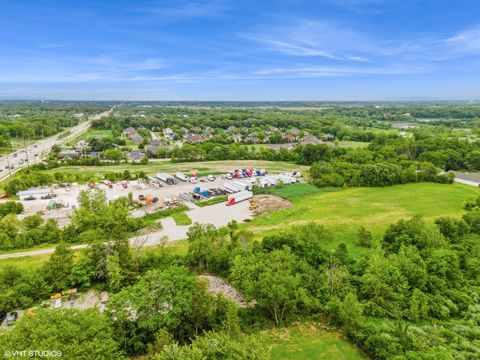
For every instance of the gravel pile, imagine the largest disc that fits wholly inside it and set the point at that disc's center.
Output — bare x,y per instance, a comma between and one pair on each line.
218,285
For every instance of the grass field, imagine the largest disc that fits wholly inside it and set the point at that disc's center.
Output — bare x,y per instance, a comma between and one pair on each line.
352,144
203,167
308,342
344,211
90,133
182,219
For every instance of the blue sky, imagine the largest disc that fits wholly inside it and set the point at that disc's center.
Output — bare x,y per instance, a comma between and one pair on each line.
240,50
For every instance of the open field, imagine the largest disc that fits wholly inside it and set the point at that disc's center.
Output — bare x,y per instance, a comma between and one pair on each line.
90,133
344,211
353,144
306,341
201,168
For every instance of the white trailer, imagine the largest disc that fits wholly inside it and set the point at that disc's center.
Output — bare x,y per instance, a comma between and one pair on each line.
167,178
181,176
238,197
287,179
243,184
231,186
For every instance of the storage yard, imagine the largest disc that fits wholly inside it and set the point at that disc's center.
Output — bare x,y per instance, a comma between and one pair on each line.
158,192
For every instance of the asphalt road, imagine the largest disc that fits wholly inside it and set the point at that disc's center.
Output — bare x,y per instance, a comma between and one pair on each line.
32,154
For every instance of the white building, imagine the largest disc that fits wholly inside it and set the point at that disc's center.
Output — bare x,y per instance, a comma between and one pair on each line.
33,192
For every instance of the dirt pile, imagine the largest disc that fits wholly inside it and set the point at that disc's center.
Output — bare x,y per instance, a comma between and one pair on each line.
269,203
217,285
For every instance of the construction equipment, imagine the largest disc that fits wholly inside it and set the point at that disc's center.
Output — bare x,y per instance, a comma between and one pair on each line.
253,206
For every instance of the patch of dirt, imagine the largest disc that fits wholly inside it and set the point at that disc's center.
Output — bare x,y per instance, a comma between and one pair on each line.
150,229
217,285
269,203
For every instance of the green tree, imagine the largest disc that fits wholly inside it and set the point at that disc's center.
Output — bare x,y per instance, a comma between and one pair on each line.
274,280
364,237
217,346
59,267
115,277
77,334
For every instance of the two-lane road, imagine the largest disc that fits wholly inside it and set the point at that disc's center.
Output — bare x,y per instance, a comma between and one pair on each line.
32,154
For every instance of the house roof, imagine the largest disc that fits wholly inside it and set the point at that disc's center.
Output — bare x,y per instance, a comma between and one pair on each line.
30,192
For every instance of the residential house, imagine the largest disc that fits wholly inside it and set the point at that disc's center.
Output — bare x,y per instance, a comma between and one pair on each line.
238,138
231,128
290,138
194,139
135,155
153,150
81,145
311,139
167,132
252,139
136,138
208,133
156,142
129,132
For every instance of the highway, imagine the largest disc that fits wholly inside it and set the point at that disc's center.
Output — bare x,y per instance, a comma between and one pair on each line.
32,154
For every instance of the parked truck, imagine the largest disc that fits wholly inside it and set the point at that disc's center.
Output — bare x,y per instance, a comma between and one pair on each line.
238,197
166,178
181,176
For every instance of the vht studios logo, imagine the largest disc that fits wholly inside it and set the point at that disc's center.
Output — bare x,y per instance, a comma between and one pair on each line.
32,353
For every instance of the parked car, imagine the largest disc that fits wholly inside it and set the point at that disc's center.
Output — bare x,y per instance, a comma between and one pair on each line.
31,197
4,196
11,317
48,196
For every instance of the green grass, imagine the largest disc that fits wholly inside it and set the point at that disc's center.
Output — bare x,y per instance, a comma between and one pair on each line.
90,133
30,262
36,247
353,144
344,211
182,219
294,192
152,217
308,342
212,201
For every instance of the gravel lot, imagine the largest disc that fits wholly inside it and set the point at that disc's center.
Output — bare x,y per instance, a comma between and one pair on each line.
135,187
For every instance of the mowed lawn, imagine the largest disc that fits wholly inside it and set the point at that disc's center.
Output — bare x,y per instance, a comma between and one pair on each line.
90,133
308,342
344,211
201,167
